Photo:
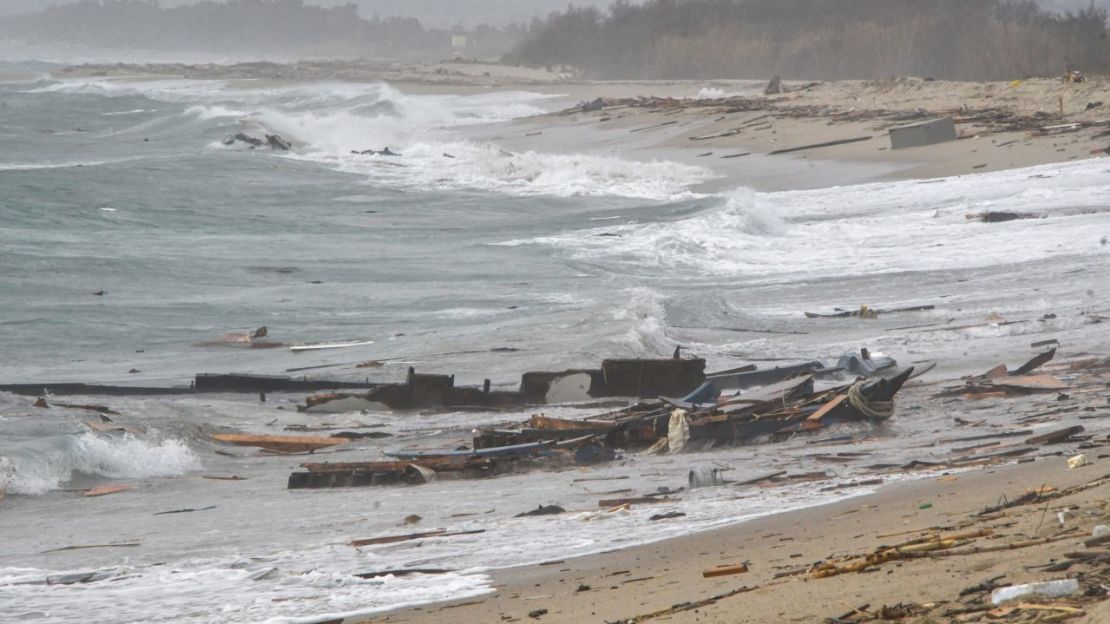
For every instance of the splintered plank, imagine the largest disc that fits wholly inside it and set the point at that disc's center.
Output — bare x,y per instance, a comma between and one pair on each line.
1034,363
645,500
1031,383
827,407
281,444
724,570
393,539
1053,437
87,546
108,489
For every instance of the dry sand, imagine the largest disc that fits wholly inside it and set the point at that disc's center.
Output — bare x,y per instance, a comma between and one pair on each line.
670,125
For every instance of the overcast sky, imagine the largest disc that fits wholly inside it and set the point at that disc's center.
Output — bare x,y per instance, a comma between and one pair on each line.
447,13
436,13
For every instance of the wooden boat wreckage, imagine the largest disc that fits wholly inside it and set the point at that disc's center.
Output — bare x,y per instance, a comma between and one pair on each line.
641,378
732,407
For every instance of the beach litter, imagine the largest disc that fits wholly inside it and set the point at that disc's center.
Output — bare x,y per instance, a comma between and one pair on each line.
1051,589
725,570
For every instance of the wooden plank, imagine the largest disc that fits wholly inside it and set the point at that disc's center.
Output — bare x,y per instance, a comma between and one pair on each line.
1034,363
392,539
765,477
1054,437
85,546
563,424
282,444
781,391
827,407
1032,383
108,489
996,372
817,145
724,570
644,500
436,463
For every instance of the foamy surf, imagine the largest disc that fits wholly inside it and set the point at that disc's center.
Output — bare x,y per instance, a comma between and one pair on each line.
486,167
329,123
861,230
196,591
46,464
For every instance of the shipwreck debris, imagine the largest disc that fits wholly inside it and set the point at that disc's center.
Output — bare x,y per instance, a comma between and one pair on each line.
280,444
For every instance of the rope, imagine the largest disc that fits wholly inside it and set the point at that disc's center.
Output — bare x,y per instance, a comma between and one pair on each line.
875,410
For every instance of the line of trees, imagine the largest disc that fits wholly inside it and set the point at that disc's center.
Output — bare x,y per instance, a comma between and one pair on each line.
819,39
270,27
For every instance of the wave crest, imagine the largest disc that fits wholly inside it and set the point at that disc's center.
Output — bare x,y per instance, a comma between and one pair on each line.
124,457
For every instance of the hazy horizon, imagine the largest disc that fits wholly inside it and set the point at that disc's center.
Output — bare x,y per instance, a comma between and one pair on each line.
467,13
431,13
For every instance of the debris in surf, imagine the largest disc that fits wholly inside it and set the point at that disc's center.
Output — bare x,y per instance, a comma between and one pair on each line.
107,489
393,539
401,572
733,407
241,137
542,510
181,511
87,546
320,346
256,339
382,152
865,311
276,142
280,444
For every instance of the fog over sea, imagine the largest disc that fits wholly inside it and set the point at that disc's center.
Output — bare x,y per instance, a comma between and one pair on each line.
456,257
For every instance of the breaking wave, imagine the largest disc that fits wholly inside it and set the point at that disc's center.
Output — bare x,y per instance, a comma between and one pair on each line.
327,123
859,230
284,589
646,317
47,463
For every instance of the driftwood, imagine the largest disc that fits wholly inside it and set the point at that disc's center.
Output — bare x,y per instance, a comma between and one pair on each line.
392,539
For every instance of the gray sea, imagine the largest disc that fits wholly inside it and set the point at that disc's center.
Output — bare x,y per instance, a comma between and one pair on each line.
460,257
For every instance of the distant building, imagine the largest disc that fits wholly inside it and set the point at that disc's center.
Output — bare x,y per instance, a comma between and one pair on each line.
458,39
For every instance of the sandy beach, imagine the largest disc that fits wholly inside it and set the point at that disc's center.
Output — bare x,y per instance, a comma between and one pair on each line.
736,135
647,582
730,126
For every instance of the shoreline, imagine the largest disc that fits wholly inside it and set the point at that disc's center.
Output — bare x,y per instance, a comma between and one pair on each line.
830,134
665,573
730,127
628,584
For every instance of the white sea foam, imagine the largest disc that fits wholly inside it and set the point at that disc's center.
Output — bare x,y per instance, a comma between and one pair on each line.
867,229
135,111
646,318
327,122
222,590
54,463
485,166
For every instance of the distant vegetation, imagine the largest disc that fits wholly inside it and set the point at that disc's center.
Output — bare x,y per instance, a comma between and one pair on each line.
288,28
820,39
